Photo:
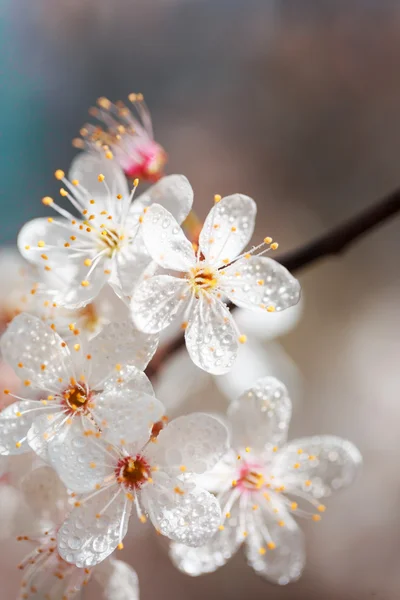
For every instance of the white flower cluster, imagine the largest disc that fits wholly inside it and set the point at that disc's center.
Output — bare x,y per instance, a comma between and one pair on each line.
101,284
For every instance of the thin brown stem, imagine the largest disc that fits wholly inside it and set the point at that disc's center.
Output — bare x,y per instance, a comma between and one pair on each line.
334,242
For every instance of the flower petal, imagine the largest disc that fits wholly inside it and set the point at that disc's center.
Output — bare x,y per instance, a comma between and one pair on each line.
86,168
78,460
118,580
187,515
260,282
211,336
14,426
119,343
228,228
256,360
194,442
38,230
286,561
40,238
127,414
267,326
157,301
36,353
215,553
260,417
173,192
165,240
133,263
44,492
318,465
85,539
45,428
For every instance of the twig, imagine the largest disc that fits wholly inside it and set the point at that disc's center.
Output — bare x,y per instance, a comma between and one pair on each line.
341,237
334,242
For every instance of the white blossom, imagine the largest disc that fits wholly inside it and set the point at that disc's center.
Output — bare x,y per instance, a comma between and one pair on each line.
127,138
104,243
45,575
153,474
263,482
217,271
261,355
30,289
98,385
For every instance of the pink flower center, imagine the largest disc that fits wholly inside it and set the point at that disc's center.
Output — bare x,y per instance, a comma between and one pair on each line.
250,478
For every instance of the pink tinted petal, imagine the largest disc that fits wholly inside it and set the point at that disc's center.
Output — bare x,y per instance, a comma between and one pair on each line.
228,228
211,336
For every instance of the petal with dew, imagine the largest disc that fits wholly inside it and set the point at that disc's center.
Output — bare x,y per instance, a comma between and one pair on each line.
133,264
118,580
262,283
215,553
93,530
260,418
15,422
45,428
173,192
165,240
317,466
48,244
79,458
228,228
76,288
211,336
158,301
285,562
129,379
86,168
188,515
119,343
44,492
36,353
127,415
37,236
193,443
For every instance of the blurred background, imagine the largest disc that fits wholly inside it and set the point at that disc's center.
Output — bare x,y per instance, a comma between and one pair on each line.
295,103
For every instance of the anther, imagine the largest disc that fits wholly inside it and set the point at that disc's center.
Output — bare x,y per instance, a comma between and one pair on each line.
59,174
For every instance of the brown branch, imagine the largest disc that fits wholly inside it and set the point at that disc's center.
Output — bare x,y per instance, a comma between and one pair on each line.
342,236
334,242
